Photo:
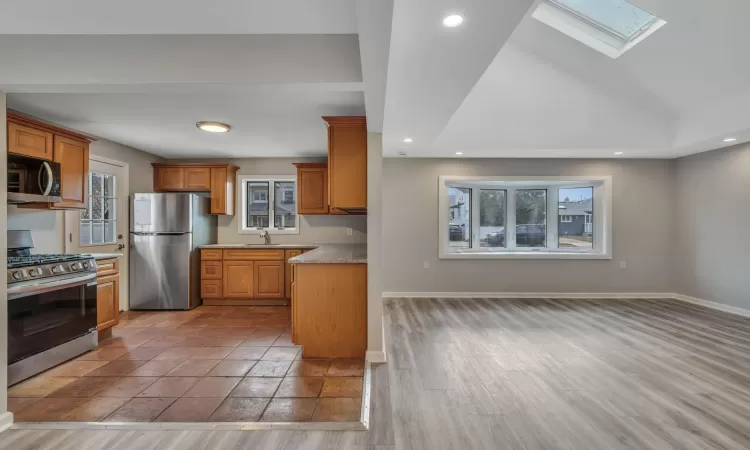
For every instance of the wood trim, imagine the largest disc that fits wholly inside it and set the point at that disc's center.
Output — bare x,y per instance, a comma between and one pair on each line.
346,121
195,165
29,121
245,302
317,165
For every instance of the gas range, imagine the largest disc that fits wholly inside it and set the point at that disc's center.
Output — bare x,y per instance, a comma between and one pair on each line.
33,267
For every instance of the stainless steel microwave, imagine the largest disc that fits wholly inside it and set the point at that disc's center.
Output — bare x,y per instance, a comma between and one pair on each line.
32,180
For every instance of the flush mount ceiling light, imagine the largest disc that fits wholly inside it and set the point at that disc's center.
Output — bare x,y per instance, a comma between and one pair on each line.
453,21
213,127
408,140
459,153
618,153
730,139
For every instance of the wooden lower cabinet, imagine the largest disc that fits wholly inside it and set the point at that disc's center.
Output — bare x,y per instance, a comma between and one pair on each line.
107,294
237,276
238,279
269,279
329,310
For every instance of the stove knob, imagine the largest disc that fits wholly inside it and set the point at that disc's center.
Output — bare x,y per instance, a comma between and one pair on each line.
55,269
17,275
86,265
33,272
75,266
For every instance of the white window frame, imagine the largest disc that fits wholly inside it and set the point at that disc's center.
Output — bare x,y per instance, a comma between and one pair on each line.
602,223
259,198
270,198
566,218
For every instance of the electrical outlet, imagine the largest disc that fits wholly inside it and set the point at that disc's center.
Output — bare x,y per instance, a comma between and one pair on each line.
349,232
426,264
623,265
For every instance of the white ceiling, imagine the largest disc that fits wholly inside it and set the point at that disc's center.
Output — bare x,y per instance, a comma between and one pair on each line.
500,85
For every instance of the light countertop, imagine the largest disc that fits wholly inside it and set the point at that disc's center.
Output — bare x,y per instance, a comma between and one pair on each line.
261,246
334,254
100,256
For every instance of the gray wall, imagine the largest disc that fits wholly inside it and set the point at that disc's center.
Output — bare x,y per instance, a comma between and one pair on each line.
642,230
313,229
712,260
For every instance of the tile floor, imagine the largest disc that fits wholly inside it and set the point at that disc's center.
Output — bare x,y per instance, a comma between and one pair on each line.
211,364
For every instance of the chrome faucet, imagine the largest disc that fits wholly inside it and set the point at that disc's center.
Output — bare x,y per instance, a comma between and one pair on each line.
264,234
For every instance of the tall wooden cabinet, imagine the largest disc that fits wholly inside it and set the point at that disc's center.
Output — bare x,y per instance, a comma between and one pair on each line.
347,163
31,137
218,179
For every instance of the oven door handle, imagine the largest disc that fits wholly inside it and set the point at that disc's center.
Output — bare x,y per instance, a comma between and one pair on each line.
15,292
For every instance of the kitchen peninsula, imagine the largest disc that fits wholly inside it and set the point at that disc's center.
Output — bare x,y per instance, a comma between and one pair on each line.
329,301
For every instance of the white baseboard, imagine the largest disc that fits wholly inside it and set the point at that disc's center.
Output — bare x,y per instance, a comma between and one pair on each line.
6,420
469,295
375,356
713,305
390,296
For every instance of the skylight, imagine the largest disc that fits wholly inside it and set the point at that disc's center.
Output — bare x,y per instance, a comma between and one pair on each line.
610,26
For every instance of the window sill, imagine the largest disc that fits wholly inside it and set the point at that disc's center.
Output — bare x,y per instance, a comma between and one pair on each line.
526,255
270,231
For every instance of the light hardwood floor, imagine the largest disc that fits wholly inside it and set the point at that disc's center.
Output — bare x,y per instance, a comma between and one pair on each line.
522,374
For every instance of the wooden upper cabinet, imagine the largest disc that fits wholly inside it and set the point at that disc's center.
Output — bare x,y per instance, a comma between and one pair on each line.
28,141
269,279
218,179
198,178
312,188
238,279
347,163
169,178
73,157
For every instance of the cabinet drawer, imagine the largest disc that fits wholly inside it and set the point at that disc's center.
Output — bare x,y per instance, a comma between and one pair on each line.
107,267
211,254
254,255
211,289
211,270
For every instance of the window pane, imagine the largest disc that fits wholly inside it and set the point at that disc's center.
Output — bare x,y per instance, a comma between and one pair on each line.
284,207
97,232
97,206
84,232
96,184
109,209
575,228
109,232
257,204
459,218
492,206
531,218
619,17
109,186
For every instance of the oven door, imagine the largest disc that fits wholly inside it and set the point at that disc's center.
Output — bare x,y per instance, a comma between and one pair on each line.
44,315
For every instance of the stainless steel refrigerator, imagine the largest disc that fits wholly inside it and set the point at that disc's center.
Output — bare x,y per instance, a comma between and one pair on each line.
166,231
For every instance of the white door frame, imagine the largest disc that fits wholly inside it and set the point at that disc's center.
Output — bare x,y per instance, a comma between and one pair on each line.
125,215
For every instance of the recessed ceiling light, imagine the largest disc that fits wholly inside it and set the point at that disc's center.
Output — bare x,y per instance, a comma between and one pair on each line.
618,153
453,21
408,140
459,153
730,139
402,153
213,127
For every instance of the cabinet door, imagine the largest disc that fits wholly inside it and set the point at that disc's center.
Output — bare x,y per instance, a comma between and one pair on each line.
169,178
198,178
211,270
107,301
238,279
269,279
219,190
211,289
347,166
288,272
29,141
312,190
73,157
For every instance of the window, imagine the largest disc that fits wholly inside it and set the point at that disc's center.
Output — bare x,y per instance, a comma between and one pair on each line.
525,217
98,221
268,203
609,26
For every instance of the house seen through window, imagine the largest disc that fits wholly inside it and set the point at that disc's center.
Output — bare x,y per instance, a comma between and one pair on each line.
269,204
